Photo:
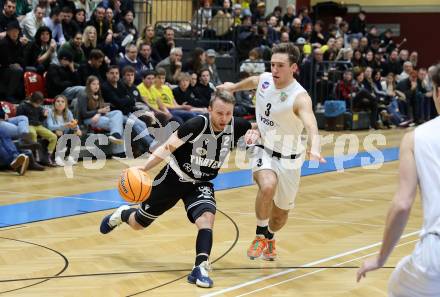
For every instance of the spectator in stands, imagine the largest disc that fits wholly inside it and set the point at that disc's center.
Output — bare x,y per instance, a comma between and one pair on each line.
204,88
236,14
289,16
284,37
70,28
36,115
226,7
260,14
392,64
7,16
126,27
210,64
147,36
295,30
196,60
116,93
303,15
363,45
172,65
74,48
10,157
11,64
184,95
42,51
54,24
254,65
386,41
371,62
345,88
403,56
407,69
203,16
314,76
317,38
181,113
16,127
329,50
358,25
89,40
46,4
194,79
131,59
95,113
244,105
110,48
62,76
413,58
94,66
60,121
364,100
32,21
100,23
358,60
80,19
151,100
162,47
414,92
110,17
273,30
144,57
354,44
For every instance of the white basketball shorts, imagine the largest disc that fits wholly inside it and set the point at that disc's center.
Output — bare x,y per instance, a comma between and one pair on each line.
288,172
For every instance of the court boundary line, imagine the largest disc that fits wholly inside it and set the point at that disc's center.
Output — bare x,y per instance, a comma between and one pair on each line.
316,262
319,270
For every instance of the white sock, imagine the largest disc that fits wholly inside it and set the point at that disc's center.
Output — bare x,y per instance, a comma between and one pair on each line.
262,223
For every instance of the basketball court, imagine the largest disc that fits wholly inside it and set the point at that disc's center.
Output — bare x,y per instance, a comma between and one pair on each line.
51,245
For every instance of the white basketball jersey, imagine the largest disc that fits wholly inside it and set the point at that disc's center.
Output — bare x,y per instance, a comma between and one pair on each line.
427,156
280,128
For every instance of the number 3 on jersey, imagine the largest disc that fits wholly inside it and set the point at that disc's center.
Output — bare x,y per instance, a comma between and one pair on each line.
268,107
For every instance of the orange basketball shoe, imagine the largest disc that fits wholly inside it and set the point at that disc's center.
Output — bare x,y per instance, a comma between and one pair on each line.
270,252
257,247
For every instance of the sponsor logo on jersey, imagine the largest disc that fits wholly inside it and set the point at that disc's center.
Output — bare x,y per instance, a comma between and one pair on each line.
201,151
205,162
265,85
283,96
267,121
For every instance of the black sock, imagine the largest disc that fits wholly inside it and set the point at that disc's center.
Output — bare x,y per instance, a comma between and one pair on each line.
125,214
261,230
269,235
203,245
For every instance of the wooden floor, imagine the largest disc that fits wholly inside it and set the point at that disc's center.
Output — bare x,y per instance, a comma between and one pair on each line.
338,221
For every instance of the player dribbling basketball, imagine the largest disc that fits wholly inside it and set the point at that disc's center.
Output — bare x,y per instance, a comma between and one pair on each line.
198,147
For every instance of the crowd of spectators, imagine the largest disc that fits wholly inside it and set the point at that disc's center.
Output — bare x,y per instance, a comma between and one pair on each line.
101,70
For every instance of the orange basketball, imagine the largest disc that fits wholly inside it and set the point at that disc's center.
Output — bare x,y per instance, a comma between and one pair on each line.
134,185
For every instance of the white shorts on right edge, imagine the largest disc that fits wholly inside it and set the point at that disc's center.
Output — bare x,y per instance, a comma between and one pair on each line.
418,275
288,172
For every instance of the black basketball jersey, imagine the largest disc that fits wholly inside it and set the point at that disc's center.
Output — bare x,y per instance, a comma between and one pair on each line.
204,150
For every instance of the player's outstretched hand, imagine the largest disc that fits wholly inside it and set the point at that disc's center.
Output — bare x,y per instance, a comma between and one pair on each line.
227,86
316,157
251,136
368,265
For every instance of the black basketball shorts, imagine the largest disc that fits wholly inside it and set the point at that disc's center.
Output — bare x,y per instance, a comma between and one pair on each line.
168,189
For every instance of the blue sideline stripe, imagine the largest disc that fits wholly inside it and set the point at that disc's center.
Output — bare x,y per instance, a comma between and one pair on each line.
32,211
